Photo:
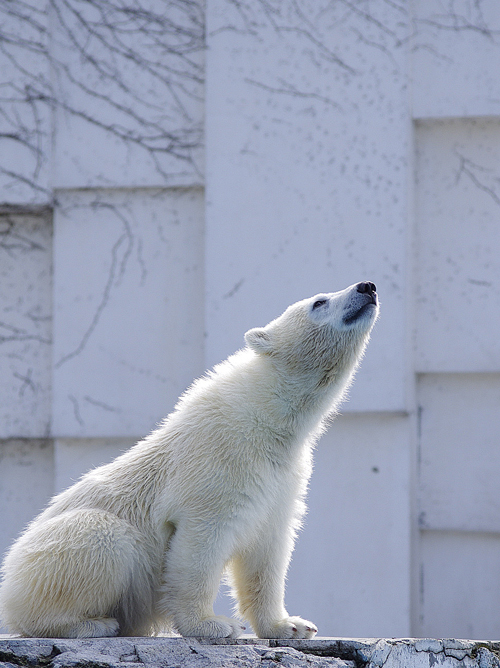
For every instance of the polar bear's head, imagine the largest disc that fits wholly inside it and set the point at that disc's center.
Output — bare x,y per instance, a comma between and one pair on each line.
323,337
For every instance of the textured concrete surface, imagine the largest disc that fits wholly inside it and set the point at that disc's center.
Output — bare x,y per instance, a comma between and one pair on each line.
247,652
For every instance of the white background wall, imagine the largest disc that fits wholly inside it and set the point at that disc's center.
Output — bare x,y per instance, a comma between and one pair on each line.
163,191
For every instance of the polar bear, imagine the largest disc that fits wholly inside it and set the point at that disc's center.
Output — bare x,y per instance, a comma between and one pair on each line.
139,545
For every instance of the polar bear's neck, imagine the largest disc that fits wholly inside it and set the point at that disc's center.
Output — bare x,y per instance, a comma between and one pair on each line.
249,391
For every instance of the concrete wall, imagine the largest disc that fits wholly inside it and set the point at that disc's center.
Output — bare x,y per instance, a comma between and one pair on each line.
161,197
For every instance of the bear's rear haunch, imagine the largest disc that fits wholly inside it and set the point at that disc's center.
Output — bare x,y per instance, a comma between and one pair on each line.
138,546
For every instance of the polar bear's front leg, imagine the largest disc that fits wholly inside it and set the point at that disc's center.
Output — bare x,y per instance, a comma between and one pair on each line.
193,568
258,577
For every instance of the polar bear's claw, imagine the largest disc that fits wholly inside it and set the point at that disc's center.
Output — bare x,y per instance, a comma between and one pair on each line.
291,627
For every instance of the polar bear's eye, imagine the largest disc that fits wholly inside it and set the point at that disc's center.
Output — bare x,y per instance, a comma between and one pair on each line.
318,303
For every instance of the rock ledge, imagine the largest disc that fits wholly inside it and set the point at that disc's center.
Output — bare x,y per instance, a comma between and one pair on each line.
246,652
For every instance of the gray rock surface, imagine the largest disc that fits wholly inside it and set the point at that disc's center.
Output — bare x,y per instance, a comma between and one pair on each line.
247,652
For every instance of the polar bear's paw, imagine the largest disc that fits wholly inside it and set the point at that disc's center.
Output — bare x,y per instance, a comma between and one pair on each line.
98,627
215,627
290,627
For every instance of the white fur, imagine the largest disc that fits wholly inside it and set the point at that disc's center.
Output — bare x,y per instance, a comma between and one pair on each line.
140,544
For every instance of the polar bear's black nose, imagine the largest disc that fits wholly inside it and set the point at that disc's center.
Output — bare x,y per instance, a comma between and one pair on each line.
366,286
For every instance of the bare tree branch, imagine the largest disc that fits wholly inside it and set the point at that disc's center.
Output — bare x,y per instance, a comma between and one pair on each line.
140,66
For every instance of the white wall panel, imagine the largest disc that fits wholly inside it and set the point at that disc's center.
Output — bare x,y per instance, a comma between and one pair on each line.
26,484
459,455
25,324
350,572
456,52
25,103
460,585
129,86
307,141
458,245
128,308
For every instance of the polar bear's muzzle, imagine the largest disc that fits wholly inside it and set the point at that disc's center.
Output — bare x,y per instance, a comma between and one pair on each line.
363,303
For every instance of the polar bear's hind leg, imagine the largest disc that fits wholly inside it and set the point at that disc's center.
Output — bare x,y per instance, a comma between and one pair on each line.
70,575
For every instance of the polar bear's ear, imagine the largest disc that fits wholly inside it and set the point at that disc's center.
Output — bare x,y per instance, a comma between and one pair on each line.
259,340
